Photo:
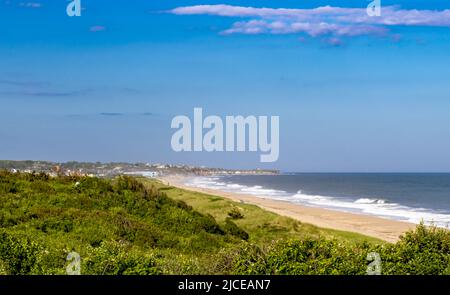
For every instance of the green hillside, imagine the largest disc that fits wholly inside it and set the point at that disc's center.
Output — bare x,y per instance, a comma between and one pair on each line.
137,226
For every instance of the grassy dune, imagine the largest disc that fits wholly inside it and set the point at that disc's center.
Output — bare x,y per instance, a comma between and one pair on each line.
132,225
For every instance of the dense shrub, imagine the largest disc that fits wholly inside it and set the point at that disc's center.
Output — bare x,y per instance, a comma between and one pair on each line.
116,258
235,230
19,255
423,251
304,257
114,225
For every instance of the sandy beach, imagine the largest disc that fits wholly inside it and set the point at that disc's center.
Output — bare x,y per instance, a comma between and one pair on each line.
385,229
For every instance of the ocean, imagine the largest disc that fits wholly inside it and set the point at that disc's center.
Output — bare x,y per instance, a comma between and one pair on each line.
411,197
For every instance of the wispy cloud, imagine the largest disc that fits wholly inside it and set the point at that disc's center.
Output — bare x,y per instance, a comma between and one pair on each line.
333,42
22,87
321,21
38,93
113,114
310,28
146,114
24,83
71,93
30,4
97,28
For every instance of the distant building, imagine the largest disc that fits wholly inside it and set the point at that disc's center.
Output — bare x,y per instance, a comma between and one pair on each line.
151,174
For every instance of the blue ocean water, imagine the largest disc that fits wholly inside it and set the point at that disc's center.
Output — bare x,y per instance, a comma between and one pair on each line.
412,197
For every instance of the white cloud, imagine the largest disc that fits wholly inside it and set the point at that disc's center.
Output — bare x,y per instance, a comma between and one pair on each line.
327,20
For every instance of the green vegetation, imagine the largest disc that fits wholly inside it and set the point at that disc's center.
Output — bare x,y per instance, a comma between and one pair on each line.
235,213
423,252
138,226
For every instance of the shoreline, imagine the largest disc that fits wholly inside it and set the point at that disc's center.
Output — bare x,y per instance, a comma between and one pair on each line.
381,228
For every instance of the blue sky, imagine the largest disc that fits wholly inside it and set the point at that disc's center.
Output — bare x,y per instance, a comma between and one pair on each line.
365,96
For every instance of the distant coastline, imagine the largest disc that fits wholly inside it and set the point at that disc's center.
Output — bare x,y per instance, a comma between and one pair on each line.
111,169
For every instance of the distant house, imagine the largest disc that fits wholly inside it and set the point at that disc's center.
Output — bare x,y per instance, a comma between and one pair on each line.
151,174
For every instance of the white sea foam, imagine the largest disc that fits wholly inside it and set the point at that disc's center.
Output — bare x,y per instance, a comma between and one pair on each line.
378,207
370,201
371,206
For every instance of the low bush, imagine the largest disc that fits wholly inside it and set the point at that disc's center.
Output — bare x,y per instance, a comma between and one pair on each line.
235,213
